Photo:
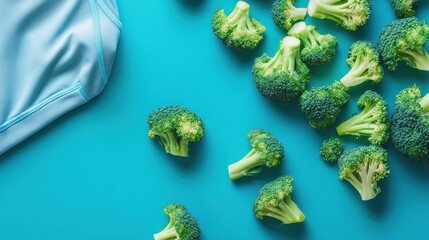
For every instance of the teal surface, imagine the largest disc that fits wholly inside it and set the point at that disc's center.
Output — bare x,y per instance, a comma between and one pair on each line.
94,173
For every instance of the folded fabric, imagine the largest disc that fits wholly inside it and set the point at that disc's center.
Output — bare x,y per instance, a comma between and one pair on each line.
54,57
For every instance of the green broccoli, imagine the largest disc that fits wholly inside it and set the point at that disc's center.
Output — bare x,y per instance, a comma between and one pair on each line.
285,14
275,200
350,14
266,150
283,77
363,167
237,30
322,105
410,124
331,149
372,122
404,8
182,225
176,126
318,49
404,40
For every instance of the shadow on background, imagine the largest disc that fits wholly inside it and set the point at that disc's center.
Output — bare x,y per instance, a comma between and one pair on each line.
380,204
192,4
288,231
417,169
196,151
243,59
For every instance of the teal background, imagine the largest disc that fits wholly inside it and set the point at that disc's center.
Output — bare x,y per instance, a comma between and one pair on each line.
94,173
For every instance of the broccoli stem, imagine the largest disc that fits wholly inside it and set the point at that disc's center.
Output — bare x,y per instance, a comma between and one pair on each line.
286,211
335,10
359,125
418,58
296,13
174,144
307,35
240,16
168,232
358,73
242,167
286,57
363,179
425,103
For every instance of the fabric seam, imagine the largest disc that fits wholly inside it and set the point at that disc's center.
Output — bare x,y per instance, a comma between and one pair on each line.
109,13
39,106
98,41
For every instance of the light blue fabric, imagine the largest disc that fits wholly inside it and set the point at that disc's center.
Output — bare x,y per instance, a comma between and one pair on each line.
55,56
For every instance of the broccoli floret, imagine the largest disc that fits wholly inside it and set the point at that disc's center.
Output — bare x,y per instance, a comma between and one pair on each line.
283,77
176,126
404,8
364,64
182,225
404,40
331,149
322,105
285,14
372,122
275,200
237,30
351,14
266,150
363,167
410,124
318,49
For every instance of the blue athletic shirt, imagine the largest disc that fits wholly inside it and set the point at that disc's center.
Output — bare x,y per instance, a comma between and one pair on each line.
55,55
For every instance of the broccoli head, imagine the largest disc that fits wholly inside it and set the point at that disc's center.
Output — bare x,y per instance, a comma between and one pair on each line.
322,105
350,14
266,151
285,14
182,224
318,49
371,122
283,77
176,126
331,149
237,30
404,8
410,124
404,40
363,167
275,200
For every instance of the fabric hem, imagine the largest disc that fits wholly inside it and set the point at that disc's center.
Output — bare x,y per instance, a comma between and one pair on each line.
30,121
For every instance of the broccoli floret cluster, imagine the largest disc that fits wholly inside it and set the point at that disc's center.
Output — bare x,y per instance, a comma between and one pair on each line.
410,124
350,14
318,49
182,224
404,40
363,167
404,8
371,122
283,77
285,14
331,149
266,151
322,105
275,200
176,126
237,30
